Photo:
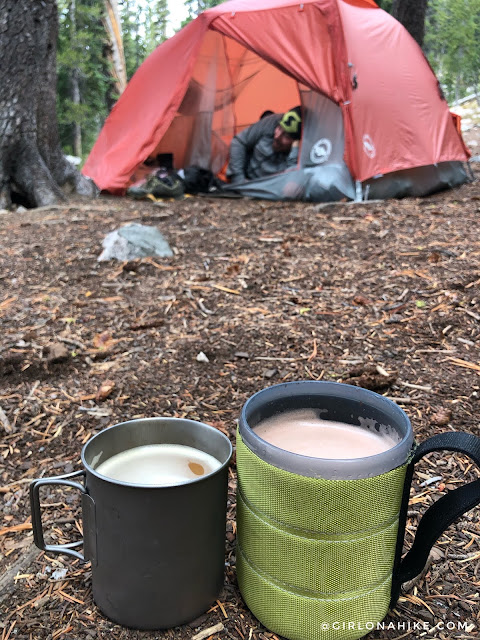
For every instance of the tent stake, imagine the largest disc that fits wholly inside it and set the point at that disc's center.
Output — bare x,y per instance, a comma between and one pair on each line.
358,191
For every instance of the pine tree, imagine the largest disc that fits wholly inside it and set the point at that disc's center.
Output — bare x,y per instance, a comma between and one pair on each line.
453,45
155,22
133,43
196,7
84,79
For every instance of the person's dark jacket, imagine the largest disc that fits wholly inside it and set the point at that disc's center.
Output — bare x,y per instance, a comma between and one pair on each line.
251,153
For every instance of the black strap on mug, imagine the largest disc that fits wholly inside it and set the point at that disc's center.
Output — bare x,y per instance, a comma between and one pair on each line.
440,515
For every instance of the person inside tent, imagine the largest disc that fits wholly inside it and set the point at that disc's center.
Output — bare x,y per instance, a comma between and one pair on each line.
266,147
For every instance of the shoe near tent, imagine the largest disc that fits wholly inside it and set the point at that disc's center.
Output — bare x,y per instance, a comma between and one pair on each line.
375,123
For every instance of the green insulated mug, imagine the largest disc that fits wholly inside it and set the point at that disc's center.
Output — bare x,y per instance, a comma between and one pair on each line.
319,541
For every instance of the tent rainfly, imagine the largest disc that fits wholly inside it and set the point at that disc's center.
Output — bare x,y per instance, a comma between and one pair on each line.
375,122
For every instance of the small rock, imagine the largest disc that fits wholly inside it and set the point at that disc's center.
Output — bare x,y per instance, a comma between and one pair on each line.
201,357
241,354
134,241
59,574
269,373
437,554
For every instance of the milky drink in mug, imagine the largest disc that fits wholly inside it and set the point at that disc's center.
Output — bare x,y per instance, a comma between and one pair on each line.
159,465
302,431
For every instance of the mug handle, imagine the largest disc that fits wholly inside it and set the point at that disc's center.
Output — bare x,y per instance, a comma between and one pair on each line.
440,515
37,525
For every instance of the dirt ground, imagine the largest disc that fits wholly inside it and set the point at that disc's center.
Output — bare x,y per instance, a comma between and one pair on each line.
383,295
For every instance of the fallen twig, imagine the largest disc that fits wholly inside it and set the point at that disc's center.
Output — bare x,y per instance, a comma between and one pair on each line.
201,635
416,386
25,526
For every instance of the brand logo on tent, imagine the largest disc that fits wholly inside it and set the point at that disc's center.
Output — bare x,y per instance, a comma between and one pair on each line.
321,151
368,146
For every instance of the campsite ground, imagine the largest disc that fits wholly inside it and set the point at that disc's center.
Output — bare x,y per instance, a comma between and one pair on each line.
384,295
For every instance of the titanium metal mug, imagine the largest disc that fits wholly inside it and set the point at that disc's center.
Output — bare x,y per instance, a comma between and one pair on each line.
157,553
319,541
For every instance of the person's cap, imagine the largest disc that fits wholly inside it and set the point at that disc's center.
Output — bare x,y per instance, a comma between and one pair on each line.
291,123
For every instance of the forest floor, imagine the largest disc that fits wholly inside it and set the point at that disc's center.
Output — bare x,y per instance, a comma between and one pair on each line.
269,292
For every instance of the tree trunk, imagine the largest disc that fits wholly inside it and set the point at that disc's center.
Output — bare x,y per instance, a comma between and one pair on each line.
75,82
113,27
77,128
411,13
31,160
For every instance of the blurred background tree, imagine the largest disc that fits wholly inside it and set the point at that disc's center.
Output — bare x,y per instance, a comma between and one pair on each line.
155,21
83,75
196,7
452,45
88,66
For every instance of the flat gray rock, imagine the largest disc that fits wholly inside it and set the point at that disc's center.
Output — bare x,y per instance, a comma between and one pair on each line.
134,241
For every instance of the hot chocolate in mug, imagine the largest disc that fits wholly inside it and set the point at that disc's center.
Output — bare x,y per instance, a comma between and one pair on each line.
154,514
320,539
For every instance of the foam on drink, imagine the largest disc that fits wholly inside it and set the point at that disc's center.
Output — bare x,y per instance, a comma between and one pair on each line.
158,465
303,432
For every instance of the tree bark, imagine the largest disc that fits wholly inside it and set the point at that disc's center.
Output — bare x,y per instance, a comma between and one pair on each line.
113,27
75,82
31,160
411,13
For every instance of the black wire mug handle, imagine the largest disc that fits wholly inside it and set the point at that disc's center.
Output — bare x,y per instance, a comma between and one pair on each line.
37,525
440,515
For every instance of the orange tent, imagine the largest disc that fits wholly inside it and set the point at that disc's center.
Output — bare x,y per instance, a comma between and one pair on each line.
374,120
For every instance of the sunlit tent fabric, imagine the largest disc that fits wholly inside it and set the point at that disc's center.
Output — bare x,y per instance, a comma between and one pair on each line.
375,123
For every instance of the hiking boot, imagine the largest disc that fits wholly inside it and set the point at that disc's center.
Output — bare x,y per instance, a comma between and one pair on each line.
163,186
168,187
